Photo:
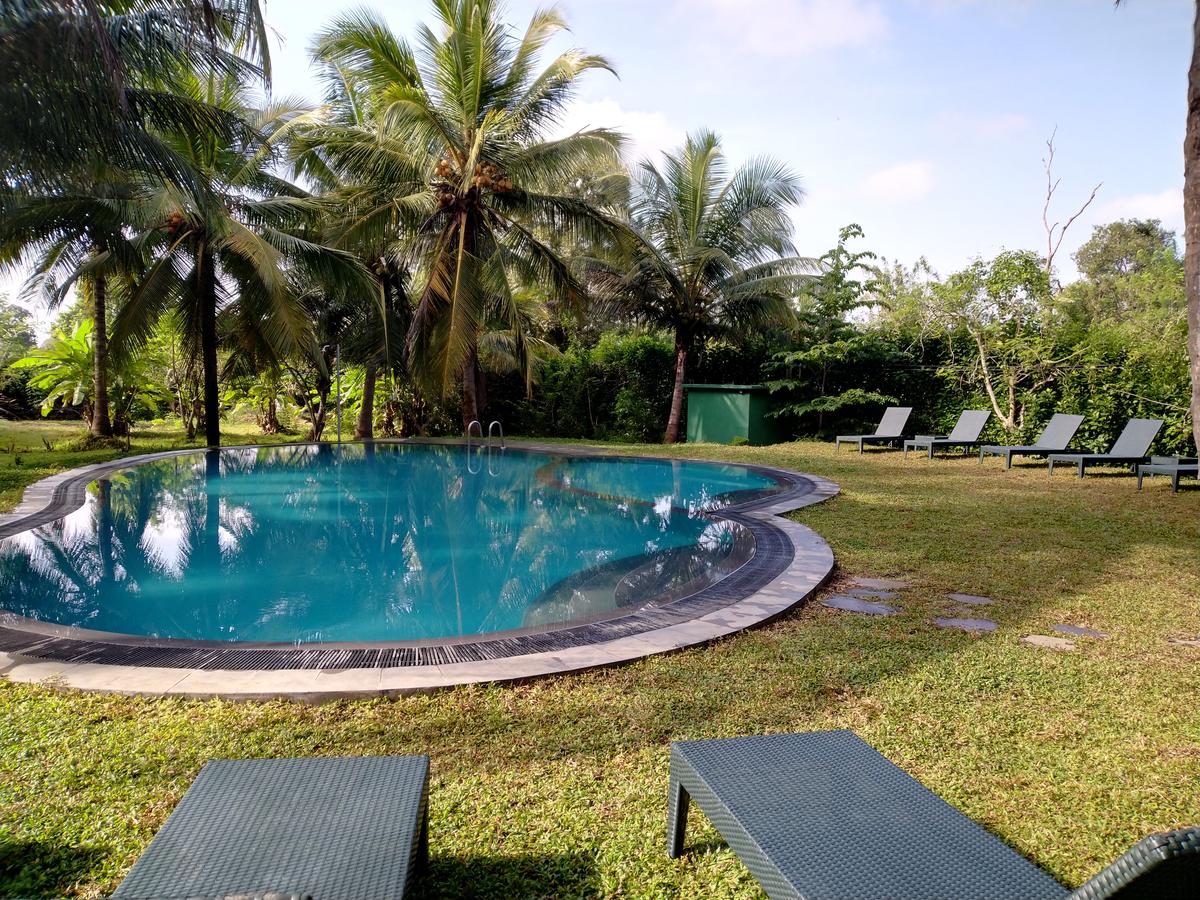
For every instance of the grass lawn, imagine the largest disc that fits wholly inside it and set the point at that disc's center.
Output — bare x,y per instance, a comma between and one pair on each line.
558,788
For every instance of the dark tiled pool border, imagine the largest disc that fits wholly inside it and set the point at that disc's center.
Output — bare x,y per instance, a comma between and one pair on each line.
773,553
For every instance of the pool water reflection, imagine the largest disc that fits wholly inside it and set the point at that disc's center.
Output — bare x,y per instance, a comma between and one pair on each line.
374,543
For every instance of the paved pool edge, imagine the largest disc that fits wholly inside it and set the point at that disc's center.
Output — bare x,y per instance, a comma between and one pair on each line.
809,564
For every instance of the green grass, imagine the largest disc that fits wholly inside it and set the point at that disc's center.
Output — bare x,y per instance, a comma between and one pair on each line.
558,788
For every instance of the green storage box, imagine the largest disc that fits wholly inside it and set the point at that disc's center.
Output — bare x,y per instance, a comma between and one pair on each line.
719,413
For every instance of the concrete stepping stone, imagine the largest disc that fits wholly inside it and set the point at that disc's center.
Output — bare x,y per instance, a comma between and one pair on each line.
971,599
870,592
882,584
1185,642
1048,642
1078,631
966,624
858,605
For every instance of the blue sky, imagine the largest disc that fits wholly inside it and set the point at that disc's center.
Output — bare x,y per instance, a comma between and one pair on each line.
923,120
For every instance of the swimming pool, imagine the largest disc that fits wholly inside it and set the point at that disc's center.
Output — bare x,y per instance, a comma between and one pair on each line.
378,543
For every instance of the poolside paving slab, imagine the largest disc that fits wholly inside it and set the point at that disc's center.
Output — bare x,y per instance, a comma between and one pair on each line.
858,605
1048,642
971,599
871,592
973,625
1078,631
882,584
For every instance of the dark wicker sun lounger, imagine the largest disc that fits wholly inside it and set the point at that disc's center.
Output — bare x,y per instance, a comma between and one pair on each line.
1055,438
824,815
349,828
965,434
1129,450
889,431
1174,467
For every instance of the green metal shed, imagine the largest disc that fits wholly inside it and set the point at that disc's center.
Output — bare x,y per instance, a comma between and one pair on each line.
719,413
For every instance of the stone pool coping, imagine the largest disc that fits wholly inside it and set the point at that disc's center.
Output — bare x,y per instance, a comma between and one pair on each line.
793,562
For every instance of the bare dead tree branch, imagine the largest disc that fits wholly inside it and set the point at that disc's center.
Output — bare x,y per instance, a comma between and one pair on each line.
1058,230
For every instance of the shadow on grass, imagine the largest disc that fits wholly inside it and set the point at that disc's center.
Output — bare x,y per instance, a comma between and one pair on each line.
560,875
43,869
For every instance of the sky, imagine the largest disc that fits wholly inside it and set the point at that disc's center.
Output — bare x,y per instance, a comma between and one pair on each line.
924,121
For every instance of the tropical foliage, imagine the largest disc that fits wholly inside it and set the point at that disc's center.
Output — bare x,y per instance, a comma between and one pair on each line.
711,253
429,246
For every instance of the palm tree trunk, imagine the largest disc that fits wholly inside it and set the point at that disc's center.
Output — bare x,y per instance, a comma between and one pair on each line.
1191,220
207,281
681,353
470,410
101,425
364,427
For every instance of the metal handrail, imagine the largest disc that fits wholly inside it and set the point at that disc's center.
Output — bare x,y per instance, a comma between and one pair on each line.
496,424
474,423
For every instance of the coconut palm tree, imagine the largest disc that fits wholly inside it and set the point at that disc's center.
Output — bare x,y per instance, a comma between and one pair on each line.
712,252
76,235
247,257
84,87
451,162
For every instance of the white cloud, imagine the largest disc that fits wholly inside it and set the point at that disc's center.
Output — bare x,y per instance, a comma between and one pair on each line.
1167,206
648,134
899,183
786,27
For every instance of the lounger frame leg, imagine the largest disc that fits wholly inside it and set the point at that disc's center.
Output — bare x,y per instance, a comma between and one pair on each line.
1081,468
678,802
1174,482
1008,460
1141,475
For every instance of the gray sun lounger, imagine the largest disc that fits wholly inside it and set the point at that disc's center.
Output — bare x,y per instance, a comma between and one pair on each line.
349,828
1055,438
889,431
824,815
965,434
1174,467
1128,450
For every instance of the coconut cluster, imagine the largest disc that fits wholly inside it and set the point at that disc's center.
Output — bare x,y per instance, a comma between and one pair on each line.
487,176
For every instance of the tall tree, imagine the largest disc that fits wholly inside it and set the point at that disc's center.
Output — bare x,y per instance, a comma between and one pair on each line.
712,253
77,234
455,162
825,338
84,84
247,257
1191,219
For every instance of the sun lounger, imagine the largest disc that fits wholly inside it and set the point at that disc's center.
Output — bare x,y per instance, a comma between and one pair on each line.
824,815
1129,450
334,829
1175,467
965,434
1055,437
889,431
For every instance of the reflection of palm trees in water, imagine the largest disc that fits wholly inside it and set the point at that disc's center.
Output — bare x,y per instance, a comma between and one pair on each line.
309,543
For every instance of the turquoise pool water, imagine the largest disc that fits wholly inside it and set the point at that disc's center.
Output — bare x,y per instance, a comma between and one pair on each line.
396,542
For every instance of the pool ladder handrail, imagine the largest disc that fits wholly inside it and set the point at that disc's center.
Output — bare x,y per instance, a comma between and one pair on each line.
475,423
496,424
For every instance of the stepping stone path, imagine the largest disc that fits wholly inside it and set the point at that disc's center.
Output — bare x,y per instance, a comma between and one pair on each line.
967,624
1078,631
1048,642
971,599
858,605
882,584
1186,642
870,592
